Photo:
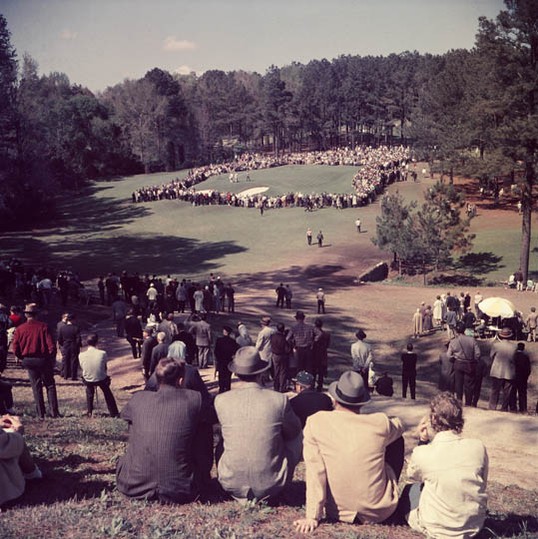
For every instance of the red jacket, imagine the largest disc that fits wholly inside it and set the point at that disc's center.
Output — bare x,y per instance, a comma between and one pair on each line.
33,339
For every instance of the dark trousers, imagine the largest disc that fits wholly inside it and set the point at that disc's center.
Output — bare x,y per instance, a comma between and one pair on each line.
70,362
109,397
464,383
304,359
321,306
280,375
136,346
280,302
225,379
520,395
499,385
409,378
41,373
6,397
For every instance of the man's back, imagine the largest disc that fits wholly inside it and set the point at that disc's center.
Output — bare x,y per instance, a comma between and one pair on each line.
159,459
308,402
345,445
93,363
255,423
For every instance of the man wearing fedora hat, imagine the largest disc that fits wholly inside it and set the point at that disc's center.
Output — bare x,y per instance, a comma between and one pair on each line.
503,371
308,401
361,355
33,344
344,442
263,342
261,436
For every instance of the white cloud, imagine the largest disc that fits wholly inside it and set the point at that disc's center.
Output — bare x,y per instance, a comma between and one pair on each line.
173,44
183,70
68,35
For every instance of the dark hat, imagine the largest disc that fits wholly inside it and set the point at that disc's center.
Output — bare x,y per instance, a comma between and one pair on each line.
31,308
299,315
247,361
360,334
505,333
265,320
228,329
350,390
304,378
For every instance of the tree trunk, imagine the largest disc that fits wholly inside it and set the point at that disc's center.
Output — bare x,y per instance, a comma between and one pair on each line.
526,201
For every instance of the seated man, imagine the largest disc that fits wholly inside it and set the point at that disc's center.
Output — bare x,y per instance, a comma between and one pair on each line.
308,401
450,498
262,436
159,463
352,461
16,463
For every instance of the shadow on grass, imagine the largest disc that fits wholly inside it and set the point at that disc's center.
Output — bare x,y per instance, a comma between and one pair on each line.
509,525
479,263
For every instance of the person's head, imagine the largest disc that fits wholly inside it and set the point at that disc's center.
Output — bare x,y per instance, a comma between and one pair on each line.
280,327
409,347
247,364
161,336
69,317
318,322
438,297
521,346
349,392
170,372
148,332
533,309
227,330
460,328
170,317
303,380
299,316
130,312
265,320
360,334
92,339
446,413
31,310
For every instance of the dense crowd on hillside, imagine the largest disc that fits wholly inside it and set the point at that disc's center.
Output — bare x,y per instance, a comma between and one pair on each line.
378,168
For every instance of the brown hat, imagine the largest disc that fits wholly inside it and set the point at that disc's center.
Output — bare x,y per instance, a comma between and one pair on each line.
350,390
247,361
31,308
505,333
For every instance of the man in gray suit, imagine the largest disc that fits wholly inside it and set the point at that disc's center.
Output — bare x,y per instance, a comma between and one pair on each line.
503,371
262,437
161,458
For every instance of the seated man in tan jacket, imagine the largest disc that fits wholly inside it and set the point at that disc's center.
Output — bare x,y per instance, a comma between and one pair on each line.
352,461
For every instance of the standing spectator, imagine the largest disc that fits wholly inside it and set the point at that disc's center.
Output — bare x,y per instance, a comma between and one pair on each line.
148,344
446,371
532,324
361,356
263,342
94,374
225,349
437,311
320,238
190,344
243,336
409,371
229,293
523,371
463,350
44,289
101,289
280,350
477,299
309,236
280,295
417,324
289,296
518,278
161,350
133,333
5,322
358,225
320,296
322,340
301,337
169,327
33,344
502,371
70,343
119,313
308,401
201,331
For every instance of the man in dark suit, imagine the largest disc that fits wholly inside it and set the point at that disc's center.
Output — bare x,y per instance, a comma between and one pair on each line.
308,401
70,343
225,349
160,461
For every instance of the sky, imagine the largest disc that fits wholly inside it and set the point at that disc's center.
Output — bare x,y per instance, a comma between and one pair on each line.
99,43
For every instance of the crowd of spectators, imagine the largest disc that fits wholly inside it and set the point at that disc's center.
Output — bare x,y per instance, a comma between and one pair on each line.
378,168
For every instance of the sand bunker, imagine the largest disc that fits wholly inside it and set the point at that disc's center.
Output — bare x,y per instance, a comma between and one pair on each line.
253,191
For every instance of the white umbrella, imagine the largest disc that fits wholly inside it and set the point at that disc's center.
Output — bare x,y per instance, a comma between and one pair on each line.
497,307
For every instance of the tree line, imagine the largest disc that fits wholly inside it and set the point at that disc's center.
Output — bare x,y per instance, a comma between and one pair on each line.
466,111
